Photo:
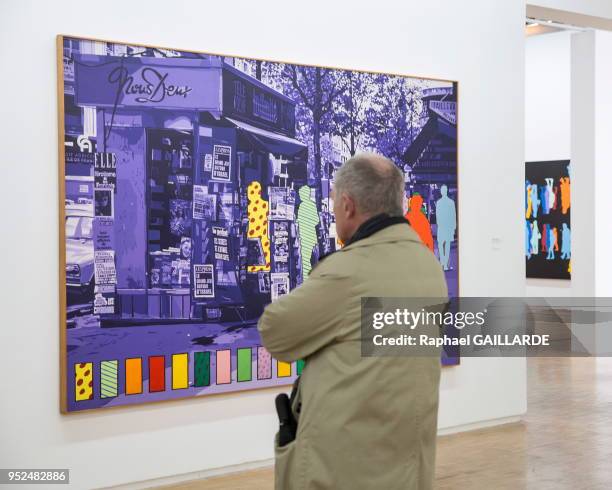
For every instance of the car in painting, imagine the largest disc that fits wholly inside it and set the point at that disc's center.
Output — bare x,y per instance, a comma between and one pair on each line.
79,253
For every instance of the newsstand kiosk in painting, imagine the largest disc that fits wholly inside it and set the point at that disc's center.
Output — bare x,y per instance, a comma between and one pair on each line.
196,180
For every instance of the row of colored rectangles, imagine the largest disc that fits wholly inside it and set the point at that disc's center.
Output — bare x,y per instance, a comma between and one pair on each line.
109,372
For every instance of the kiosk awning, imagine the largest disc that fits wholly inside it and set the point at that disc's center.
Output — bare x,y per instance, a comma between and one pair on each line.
269,141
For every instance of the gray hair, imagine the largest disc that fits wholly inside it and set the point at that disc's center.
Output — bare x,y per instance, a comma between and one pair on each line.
374,182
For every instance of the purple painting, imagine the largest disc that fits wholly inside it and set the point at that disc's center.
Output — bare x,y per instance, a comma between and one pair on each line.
190,183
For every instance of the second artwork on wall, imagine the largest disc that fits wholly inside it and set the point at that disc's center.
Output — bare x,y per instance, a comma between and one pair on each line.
548,234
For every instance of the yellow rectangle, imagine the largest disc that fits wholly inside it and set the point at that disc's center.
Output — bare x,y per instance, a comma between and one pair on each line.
283,369
83,379
180,371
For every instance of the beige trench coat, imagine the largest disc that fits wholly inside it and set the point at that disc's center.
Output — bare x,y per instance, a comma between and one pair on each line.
365,423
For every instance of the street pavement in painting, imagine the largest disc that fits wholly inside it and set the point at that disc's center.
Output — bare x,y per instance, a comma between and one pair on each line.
90,343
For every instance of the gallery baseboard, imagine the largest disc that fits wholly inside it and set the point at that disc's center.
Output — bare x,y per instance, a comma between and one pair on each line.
192,476
238,468
480,425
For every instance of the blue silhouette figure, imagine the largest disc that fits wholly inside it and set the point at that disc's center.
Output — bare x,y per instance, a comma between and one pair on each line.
446,219
551,243
566,242
535,202
528,239
544,199
535,238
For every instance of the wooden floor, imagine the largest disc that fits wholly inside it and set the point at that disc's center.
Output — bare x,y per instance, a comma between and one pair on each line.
565,441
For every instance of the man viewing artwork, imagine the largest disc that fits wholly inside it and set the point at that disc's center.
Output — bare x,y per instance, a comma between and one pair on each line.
362,422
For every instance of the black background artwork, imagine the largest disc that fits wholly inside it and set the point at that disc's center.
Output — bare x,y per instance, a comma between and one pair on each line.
547,219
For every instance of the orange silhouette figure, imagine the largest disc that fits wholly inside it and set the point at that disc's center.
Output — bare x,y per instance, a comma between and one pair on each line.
565,194
419,221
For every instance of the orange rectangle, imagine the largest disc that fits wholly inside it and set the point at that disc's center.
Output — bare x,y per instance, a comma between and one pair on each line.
133,376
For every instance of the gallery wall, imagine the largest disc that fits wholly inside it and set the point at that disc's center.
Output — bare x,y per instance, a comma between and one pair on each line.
592,147
547,96
436,38
547,119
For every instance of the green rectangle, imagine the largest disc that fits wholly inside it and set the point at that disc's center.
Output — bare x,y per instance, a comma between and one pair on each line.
108,379
300,365
201,369
244,364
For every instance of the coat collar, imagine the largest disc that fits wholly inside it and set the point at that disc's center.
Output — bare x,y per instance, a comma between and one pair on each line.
395,233
386,231
374,225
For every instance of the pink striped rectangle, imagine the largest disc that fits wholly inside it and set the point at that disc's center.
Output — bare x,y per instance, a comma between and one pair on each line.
224,367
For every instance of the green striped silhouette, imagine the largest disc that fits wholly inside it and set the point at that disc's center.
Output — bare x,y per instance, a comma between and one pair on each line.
308,219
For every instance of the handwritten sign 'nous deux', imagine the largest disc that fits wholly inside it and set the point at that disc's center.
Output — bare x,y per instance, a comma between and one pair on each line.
150,83
153,86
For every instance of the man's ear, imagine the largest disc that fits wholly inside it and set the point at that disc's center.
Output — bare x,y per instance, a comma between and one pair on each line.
348,204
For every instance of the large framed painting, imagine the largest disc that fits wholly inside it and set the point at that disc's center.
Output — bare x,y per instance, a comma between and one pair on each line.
195,189
548,235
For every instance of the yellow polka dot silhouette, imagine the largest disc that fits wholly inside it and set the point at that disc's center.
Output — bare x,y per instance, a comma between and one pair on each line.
257,212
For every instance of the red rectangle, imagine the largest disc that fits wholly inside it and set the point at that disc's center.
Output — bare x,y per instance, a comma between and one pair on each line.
157,374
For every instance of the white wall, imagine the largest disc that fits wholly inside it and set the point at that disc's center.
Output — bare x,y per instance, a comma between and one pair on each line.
547,96
547,120
592,146
479,43
583,151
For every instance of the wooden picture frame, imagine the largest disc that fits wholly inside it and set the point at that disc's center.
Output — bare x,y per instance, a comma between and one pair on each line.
158,149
